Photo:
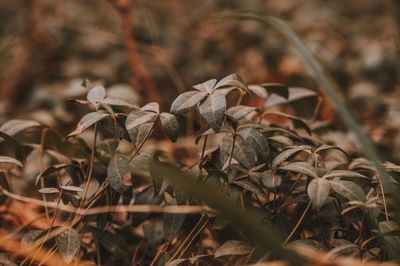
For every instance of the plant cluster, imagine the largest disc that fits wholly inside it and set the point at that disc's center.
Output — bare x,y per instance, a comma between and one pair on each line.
270,163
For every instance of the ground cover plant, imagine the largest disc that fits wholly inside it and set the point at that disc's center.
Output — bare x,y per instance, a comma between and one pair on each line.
270,163
228,171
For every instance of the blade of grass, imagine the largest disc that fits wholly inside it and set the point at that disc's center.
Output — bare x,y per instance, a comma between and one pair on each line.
265,239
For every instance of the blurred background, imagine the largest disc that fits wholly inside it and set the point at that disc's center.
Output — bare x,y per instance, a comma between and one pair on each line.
153,50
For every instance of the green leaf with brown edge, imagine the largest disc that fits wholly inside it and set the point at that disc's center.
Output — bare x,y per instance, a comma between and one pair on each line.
233,248
170,125
348,190
232,81
297,121
258,141
68,243
10,142
172,222
239,112
14,126
4,185
256,231
185,101
138,117
116,102
87,121
119,174
343,173
212,109
300,168
269,178
96,94
325,147
258,90
51,169
151,107
318,191
286,154
276,88
206,86
242,152
295,94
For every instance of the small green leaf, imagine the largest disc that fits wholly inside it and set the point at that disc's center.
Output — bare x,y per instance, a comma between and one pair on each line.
277,88
239,112
285,141
14,126
258,141
269,179
68,243
318,191
138,117
297,122
207,86
343,173
119,174
242,152
233,247
9,143
212,109
288,153
232,81
116,102
259,91
325,147
348,190
301,168
87,121
170,124
152,107
51,169
96,94
294,95
185,101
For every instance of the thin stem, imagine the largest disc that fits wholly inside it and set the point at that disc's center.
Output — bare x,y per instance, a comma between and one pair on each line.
42,138
298,223
317,109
